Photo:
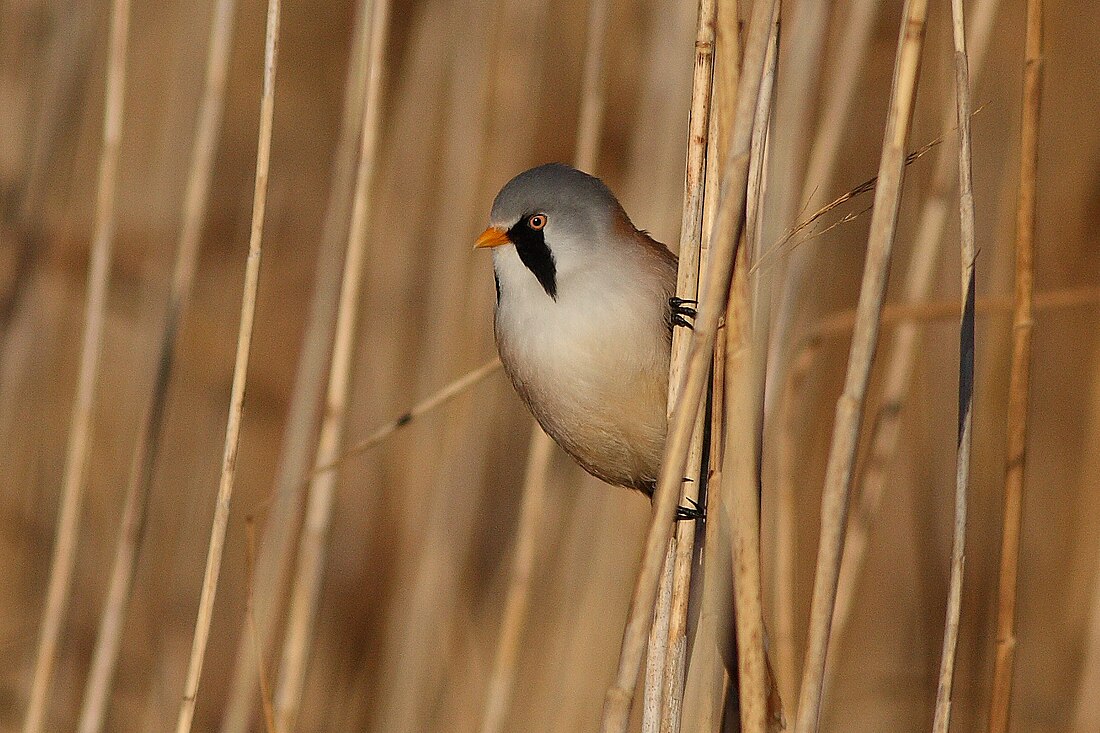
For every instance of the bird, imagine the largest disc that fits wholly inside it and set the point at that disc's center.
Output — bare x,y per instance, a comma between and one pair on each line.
585,308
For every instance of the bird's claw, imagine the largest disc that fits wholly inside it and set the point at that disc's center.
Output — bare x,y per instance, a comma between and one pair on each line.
694,511
682,311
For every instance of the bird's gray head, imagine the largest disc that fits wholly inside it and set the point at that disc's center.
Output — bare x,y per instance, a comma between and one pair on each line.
558,219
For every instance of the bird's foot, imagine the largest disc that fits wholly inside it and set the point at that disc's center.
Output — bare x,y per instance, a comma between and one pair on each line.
694,511
682,310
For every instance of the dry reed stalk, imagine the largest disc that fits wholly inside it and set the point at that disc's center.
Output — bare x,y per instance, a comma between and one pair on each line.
298,444
748,319
942,720
719,27
849,410
711,677
689,545
1019,381
738,516
713,295
667,646
593,87
120,585
240,378
540,447
849,56
657,647
66,539
306,591
695,693
902,351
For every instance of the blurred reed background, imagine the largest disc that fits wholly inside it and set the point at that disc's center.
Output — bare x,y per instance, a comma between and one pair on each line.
411,564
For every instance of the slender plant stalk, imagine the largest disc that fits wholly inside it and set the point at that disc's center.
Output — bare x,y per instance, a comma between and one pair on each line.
240,378
727,563
120,585
306,592
593,87
849,410
901,354
713,295
296,453
1020,379
63,561
697,693
657,649
942,720
747,334
668,644
540,451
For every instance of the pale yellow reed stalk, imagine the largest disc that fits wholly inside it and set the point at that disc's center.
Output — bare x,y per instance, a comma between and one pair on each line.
663,691
306,591
1086,714
696,693
73,478
1019,385
240,378
298,445
747,330
942,721
849,410
713,295
120,585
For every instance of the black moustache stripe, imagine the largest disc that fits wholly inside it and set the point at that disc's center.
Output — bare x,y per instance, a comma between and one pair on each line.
535,255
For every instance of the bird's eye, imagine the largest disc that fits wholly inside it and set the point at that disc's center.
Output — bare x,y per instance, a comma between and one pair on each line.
536,222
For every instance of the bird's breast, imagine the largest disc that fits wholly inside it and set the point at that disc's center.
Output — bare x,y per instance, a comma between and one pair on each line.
593,370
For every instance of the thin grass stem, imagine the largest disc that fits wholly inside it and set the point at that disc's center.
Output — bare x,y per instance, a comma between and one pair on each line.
240,379
942,720
620,695
306,591
120,585
849,410
1020,375
59,588
663,692
297,450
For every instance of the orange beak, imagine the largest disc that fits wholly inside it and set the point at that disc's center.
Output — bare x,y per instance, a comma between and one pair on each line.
492,237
